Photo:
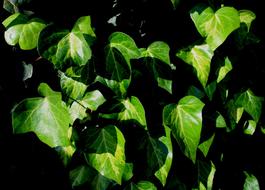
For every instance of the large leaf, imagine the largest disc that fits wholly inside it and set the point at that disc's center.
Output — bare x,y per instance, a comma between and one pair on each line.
163,171
62,46
46,116
158,62
91,101
119,52
215,26
252,104
23,31
106,152
251,182
224,70
200,58
185,120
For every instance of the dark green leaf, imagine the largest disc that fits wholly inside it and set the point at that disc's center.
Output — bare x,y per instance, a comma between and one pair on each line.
185,120
141,185
128,172
200,58
252,104
12,6
210,90
22,31
79,175
194,91
206,145
175,3
206,173
215,26
47,117
251,182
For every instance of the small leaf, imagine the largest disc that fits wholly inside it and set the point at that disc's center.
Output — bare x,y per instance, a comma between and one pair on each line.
210,90
47,117
206,145
251,182
215,26
175,3
252,104
106,152
220,121
83,24
12,6
194,91
224,70
250,127
79,175
200,58
22,31
128,172
247,17
65,153
141,185
185,120
206,173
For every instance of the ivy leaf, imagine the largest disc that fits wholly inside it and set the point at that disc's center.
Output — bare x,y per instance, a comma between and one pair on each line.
215,26
210,90
224,70
251,104
194,91
185,121
250,127
46,116
127,172
247,17
92,100
72,88
200,58
163,171
158,63
205,146
64,47
234,113
12,6
141,185
251,182
220,121
106,153
23,31
206,173
83,24
119,52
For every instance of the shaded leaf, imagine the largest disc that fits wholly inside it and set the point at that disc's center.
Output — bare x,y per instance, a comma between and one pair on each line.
251,182
252,104
224,70
250,127
23,31
175,3
185,120
128,172
12,6
234,113
247,17
215,26
47,117
206,145
210,90
194,91
206,173
141,185
200,58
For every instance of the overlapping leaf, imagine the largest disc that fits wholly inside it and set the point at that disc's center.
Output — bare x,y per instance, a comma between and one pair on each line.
23,31
46,116
185,120
224,70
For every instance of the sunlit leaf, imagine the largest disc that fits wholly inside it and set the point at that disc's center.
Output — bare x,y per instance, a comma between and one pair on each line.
206,145
200,58
23,31
215,26
83,24
46,116
220,121
185,120
251,182
224,70
252,104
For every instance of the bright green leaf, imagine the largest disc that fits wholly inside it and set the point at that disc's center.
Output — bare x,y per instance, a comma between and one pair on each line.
247,16
220,121
215,26
83,24
185,120
106,153
224,70
200,58
47,117
251,182
206,145
22,31
252,104
163,171
250,127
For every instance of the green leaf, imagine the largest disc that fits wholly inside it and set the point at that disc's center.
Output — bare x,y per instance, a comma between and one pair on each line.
163,171
185,120
220,121
83,24
234,112
119,88
251,182
158,63
65,153
92,100
47,117
79,175
64,47
247,17
252,104
200,58
215,26
206,173
106,152
210,90
119,52
206,145
12,6
194,91
128,172
22,31
224,70
72,88
141,185
175,3
250,127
